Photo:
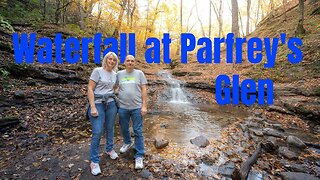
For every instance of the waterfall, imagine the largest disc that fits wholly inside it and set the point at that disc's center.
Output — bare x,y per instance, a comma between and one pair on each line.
176,93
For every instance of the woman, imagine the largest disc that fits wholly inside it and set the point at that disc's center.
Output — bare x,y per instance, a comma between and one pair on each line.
103,109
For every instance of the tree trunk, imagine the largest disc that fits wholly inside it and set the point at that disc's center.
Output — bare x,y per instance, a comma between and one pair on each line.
117,29
220,18
132,13
241,25
300,29
202,30
57,13
257,16
248,17
81,16
262,12
147,25
180,16
128,12
44,10
64,13
218,13
99,15
210,18
235,20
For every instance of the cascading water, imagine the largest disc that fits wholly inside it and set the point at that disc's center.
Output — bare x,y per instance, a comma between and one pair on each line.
176,93
177,118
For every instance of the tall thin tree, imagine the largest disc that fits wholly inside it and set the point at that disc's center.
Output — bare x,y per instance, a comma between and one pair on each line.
235,20
300,29
248,17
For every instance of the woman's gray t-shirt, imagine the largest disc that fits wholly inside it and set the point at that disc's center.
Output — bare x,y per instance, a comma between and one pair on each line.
105,82
130,88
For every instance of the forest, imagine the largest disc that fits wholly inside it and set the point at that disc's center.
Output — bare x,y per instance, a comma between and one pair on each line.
45,133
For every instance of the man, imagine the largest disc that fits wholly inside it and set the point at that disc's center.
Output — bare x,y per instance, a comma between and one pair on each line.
133,105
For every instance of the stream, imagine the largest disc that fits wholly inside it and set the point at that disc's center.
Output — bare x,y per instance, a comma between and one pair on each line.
178,119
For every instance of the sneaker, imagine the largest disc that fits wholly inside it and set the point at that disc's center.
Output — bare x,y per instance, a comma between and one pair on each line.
139,163
113,154
125,148
95,168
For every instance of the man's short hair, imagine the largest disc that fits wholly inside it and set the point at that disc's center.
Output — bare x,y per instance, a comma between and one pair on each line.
130,56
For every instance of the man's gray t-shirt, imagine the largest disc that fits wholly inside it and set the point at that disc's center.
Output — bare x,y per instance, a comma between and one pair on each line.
105,82
130,88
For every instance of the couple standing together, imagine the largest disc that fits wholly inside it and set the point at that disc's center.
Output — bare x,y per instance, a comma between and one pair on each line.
131,85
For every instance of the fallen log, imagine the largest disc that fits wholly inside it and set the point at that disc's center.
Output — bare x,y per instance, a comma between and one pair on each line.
246,166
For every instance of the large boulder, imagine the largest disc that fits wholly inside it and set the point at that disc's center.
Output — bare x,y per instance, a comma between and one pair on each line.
227,170
295,142
284,151
200,141
160,143
272,132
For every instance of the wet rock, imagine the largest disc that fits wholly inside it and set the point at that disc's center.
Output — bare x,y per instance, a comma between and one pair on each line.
50,75
179,73
278,127
316,170
146,174
253,124
270,145
307,107
256,132
272,132
297,176
278,109
207,171
160,143
295,142
227,169
297,167
42,136
254,175
200,85
19,94
194,73
253,137
200,141
284,151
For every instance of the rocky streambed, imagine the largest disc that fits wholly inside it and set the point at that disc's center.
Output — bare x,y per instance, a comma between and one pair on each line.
217,142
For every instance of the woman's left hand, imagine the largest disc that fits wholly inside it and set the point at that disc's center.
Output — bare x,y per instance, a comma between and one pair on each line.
143,111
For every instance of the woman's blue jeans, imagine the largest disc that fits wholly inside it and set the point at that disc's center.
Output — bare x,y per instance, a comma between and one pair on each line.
106,118
137,123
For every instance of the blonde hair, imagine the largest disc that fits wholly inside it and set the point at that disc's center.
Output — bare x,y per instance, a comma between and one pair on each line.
115,68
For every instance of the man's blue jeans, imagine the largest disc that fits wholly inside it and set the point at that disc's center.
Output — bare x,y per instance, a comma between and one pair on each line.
137,123
106,118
